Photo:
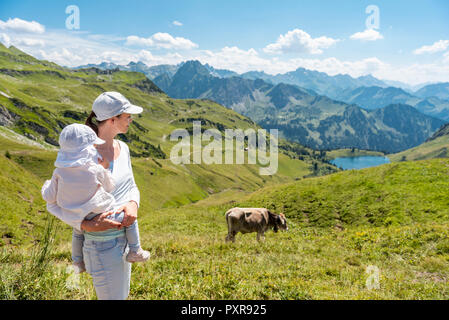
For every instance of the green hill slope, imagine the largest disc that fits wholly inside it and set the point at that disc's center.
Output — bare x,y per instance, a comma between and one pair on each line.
436,146
21,200
398,193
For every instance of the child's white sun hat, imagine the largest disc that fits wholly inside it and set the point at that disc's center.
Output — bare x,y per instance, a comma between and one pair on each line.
76,143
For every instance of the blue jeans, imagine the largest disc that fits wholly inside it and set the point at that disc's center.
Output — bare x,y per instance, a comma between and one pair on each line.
105,262
132,235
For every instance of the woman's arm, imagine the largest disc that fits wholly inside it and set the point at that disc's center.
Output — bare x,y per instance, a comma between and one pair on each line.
132,206
134,193
100,223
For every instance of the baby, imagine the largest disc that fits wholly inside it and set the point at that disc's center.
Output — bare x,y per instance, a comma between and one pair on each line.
81,185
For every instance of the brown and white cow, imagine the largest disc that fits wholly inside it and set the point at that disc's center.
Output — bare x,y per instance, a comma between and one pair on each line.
246,220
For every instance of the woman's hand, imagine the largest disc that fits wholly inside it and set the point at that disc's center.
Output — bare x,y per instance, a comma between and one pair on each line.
130,213
100,223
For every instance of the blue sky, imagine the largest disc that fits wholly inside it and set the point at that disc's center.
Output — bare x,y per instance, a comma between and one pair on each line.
410,45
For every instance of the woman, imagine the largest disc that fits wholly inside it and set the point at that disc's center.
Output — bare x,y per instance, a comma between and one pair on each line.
105,245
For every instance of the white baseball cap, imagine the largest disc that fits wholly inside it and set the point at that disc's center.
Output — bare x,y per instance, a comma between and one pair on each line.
110,104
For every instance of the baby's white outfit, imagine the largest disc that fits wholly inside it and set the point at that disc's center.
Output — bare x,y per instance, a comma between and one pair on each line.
82,189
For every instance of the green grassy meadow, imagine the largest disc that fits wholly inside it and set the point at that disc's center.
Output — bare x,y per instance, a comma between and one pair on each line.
393,217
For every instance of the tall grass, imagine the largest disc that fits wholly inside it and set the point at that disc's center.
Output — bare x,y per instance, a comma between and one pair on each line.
39,257
25,281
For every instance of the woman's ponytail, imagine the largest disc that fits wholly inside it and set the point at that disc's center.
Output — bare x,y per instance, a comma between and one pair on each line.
90,122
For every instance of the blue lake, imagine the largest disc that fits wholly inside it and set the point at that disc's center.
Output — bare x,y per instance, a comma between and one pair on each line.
348,163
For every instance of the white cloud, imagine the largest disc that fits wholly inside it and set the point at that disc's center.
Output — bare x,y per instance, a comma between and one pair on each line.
419,73
411,74
299,41
162,40
19,25
177,23
436,47
367,35
151,60
5,39
240,61
103,37
334,66
78,51
446,57
29,42
18,41
235,59
62,57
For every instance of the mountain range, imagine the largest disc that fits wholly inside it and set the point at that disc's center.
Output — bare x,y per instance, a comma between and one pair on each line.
294,102
302,115
439,90
320,82
317,81
429,101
